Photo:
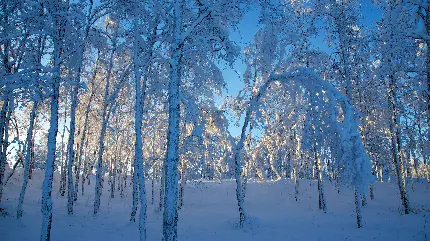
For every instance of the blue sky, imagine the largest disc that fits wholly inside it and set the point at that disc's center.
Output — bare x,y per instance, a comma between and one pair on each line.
245,33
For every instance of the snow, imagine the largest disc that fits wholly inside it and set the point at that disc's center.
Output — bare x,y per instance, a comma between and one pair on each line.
210,213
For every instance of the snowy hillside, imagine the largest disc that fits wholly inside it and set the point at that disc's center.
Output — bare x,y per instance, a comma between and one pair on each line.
210,213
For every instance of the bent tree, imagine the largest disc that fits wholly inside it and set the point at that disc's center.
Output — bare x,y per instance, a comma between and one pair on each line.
355,162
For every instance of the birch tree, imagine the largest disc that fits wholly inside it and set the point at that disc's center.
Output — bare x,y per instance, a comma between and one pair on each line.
58,35
209,19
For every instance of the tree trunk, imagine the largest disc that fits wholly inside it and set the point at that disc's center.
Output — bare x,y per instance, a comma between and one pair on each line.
357,208
296,154
427,63
135,193
296,185
381,179
170,213
273,169
139,175
363,199
112,174
27,161
84,133
62,164
71,151
124,177
30,172
182,182
105,119
395,142
321,199
85,171
152,190
4,126
162,178
238,152
19,160
59,23
238,166
246,171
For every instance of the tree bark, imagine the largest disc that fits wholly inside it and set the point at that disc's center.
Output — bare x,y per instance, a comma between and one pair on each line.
395,142
170,212
63,163
105,119
27,161
321,199
357,208
84,132
71,151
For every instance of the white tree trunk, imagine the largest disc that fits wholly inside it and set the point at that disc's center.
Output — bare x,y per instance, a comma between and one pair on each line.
85,171
81,148
63,162
49,166
27,161
4,130
427,63
72,191
238,169
182,182
296,185
71,151
161,197
60,31
238,151
112,175
138,151
135,192
395,142
152,190
170,214
321,199
87,111
105,118
357,208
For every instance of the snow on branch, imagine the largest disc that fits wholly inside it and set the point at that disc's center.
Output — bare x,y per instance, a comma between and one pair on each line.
191,28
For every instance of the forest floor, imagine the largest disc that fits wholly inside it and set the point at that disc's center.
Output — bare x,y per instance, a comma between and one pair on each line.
210,213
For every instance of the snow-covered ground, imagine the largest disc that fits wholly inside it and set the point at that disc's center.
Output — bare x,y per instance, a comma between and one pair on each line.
210,213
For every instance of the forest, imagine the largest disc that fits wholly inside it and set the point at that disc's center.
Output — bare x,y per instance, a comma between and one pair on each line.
133,102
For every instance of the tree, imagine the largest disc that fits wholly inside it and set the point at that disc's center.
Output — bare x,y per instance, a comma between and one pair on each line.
139,106
206,22
27,162
392,49
58,35
109,97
